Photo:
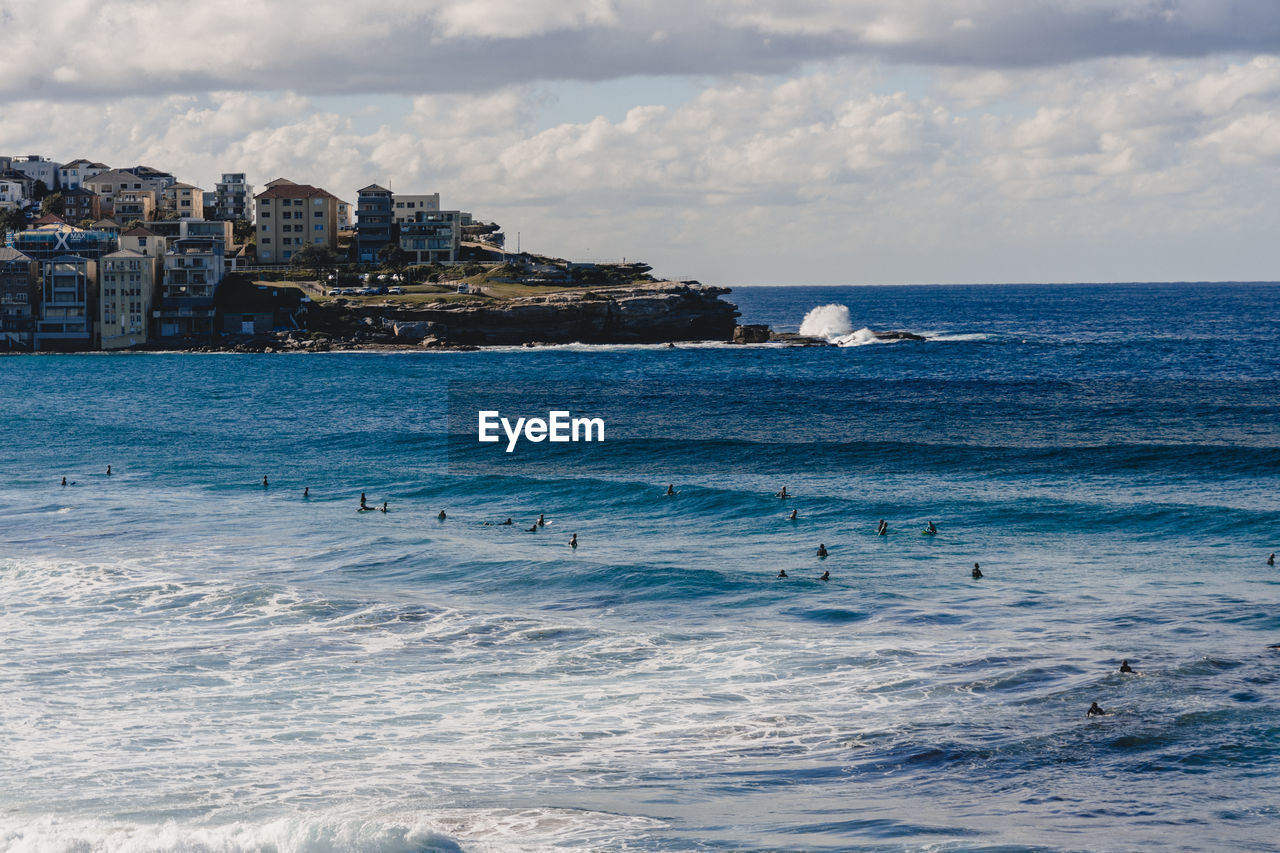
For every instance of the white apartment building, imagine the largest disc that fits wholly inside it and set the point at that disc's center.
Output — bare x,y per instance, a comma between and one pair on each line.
404,208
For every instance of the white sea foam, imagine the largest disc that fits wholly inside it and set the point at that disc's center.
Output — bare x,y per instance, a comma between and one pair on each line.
827,322
832,323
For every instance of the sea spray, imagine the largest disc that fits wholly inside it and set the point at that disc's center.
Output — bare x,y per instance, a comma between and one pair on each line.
831,323
827,322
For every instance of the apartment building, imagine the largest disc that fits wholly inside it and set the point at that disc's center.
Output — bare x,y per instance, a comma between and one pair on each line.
72,175
80,204
406,207
374,228
234,197
127,283
112,182
19,298
291,216
37,168
433,237
134,205
193,269
185,200
68,304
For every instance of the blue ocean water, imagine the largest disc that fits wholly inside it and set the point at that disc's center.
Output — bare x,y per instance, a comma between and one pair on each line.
190,661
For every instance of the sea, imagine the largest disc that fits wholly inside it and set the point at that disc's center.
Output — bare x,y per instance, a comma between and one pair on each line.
193,661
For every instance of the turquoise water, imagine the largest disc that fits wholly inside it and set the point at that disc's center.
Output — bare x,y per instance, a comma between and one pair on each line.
189,661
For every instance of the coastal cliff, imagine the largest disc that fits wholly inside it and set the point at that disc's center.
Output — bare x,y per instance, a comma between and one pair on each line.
658,312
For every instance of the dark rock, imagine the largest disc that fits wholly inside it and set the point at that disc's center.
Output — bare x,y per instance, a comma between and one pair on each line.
752,334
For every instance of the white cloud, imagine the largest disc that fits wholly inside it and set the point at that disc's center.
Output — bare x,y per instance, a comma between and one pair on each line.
69,49
859,170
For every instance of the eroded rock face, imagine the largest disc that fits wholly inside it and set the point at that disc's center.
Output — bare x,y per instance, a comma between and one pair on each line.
654,313
751,334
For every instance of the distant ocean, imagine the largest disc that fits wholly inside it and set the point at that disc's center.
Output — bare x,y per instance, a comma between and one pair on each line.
192,662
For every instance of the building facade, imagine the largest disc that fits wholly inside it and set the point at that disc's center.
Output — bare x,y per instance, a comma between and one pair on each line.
19,299
68,304
80,204
37,168
55,239
406,207
127,281
291,216
146,242
234,196
374,228
185,200
112,182
72,175
134,205
433,238
193,268
13,194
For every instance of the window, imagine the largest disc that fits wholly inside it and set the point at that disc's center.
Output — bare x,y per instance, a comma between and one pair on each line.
319,227
266,214
318,214
266,241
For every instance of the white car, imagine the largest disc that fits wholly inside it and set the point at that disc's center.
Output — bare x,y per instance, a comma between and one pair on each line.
396,291
334,292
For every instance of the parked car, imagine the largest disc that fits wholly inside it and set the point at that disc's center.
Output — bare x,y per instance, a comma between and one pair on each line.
396,291
334,292
348,291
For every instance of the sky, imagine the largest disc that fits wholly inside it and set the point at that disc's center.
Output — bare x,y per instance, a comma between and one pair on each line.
732,141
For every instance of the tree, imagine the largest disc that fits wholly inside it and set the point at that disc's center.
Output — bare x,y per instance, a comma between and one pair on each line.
11,220
52,204
394,258
242,231
313,257
39,190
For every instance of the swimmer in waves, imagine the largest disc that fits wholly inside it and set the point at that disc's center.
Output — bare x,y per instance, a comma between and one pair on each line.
822,551
931,530
783,494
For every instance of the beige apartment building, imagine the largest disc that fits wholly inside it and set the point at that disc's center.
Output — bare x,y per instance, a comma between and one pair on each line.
291,216
112,182
185,200
127,287
133,205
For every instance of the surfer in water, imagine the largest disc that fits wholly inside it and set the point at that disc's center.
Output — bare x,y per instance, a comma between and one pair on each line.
533,529
882,529
1095,711
64,481
782,573
826,576
306,491
363,505
108,470
507,523
783,494
932,530
671,489
822,550
573,541
264,482
1271,561
442,516
1124,666
793,515
977,571
542,521
384,506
